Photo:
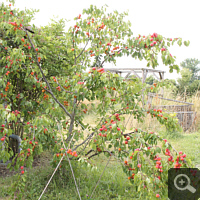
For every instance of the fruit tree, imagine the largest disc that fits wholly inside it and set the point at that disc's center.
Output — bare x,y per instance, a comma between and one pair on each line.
47,76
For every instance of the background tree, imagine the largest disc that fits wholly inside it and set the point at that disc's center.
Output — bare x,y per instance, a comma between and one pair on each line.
186,87
194,67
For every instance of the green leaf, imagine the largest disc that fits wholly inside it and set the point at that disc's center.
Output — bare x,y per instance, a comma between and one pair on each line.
187,43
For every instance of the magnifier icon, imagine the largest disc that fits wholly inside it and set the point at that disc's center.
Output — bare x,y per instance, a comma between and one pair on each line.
188,186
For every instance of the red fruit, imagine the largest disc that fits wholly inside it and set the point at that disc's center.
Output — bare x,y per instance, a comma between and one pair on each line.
154,42
155,35
22,172
139,165
22,167
29,47
88,23
151,44
158,162
22,40
2,139
36,49
3,125
94,68
126,142
151,39
184,155
157,166
180,152
28,150
118,129
157,195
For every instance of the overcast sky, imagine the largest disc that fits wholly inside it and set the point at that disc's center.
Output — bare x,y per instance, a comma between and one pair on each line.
171,18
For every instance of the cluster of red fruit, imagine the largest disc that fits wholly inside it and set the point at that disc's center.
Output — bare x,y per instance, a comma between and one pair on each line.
18,96
7,86
158,163
46,96
177,164
101,70
8,72
104,127
101,27
22,172
58,88
76,28
156,114
69,151
15,24
66,103
85,110
16,112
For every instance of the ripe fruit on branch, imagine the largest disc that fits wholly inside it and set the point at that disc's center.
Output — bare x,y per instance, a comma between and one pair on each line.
163,49
155,35
139,165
